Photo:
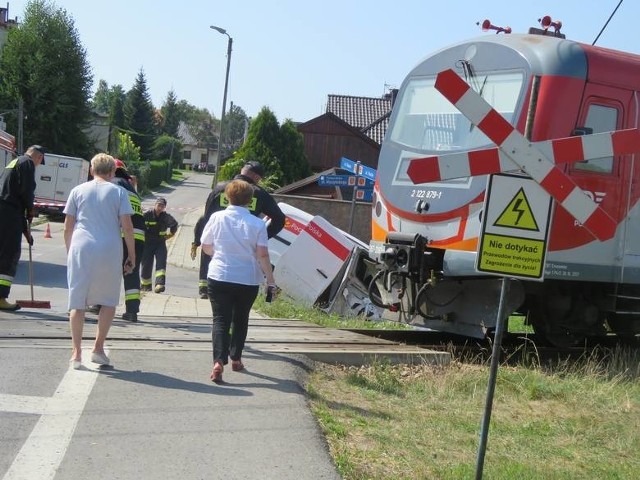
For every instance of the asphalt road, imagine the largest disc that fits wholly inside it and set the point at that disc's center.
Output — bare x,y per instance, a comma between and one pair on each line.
154,414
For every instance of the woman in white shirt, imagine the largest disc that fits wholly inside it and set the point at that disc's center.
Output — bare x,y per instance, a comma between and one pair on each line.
237,243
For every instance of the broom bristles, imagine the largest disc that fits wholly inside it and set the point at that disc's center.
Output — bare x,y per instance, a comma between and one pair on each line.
34,303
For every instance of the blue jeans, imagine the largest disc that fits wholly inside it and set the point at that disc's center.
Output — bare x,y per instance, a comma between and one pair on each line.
230,305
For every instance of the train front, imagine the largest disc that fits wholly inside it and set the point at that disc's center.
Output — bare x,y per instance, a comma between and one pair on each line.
425,235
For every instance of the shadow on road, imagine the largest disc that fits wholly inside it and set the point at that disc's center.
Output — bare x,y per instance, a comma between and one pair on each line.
165,381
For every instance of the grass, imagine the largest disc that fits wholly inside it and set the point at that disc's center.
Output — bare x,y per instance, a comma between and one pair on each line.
566,420
419,421
285,308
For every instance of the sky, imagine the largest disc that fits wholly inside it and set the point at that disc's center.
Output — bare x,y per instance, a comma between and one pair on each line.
289,55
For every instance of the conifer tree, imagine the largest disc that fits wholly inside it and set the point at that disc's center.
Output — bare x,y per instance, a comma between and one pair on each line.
139,116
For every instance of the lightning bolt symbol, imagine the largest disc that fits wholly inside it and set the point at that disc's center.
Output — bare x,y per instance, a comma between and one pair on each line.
516,208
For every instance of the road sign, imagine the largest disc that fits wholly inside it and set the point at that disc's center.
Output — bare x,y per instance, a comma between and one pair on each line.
344,181
364,195
358,169
493,160
337,180
348,165
529,158
515,228
367,172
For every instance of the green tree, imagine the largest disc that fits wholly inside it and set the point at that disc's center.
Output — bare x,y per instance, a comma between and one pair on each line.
168,147
44,64
117,99
170,115
102,97
201,124
236,122
292,159
279,149
128,152
139,116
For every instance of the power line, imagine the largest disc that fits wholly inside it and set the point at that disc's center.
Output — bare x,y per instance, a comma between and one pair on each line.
605,25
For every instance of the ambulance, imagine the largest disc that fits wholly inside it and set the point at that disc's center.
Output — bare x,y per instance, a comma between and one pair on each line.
317,264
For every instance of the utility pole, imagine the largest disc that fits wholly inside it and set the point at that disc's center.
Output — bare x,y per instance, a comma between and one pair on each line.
20,146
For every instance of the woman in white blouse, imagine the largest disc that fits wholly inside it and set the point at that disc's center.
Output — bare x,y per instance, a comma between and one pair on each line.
237,243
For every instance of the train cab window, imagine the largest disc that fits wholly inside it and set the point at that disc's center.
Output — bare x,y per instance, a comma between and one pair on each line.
427,121
599,119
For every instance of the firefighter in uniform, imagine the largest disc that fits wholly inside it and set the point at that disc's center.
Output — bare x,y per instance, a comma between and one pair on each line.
157,222
132,280
263,204
17,187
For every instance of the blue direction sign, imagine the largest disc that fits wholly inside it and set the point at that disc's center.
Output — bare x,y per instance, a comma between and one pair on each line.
358,168
344,181
365,183
348,165
337,180
364,195
367,172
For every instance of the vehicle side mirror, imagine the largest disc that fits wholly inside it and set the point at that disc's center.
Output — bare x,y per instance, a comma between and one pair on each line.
582,131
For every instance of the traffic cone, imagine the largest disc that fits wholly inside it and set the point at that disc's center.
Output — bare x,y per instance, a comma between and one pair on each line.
47,232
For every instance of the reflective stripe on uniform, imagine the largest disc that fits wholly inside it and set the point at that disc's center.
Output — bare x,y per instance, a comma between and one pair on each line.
202,283
160,273
133,294
145,282
6,280
138,234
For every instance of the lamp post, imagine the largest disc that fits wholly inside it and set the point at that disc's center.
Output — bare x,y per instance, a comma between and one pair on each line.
224,98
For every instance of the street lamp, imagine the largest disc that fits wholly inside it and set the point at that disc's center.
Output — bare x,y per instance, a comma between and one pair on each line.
224,98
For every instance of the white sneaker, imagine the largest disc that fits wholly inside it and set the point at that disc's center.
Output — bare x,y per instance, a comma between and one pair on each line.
100,358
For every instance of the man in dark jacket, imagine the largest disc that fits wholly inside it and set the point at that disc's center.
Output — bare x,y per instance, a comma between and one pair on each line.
132,280
263,204
157,222
17,187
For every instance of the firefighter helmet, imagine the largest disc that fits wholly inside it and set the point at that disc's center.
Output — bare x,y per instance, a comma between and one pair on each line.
120,164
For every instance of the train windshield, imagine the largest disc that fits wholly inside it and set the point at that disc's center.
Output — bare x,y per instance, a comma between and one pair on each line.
426,121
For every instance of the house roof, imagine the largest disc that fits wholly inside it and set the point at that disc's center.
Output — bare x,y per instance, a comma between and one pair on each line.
305,181
185,135
368,114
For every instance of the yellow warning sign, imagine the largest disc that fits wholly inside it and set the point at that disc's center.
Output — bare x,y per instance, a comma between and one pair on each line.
523,257
518,214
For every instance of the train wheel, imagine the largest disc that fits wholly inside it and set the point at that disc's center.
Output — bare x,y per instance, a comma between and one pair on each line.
552,323
562,338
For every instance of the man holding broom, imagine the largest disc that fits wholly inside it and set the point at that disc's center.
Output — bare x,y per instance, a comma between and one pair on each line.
17,187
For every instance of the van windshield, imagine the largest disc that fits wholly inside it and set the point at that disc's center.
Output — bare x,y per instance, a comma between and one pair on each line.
427,121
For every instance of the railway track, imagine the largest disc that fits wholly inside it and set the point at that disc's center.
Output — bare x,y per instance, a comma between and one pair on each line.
516,347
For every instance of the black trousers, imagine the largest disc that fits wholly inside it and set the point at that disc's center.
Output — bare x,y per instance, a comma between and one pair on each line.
230,305
154,249
10,245
203,282
132,281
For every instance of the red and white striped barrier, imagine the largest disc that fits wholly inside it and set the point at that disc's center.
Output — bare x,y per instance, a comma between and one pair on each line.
148,206
527,156
493,160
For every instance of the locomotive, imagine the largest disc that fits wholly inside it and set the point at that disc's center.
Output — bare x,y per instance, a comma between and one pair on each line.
425,236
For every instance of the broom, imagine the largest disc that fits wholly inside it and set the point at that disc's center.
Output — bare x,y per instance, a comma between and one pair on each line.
32,303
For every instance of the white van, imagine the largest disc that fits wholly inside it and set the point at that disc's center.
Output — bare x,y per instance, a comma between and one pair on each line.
56,178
